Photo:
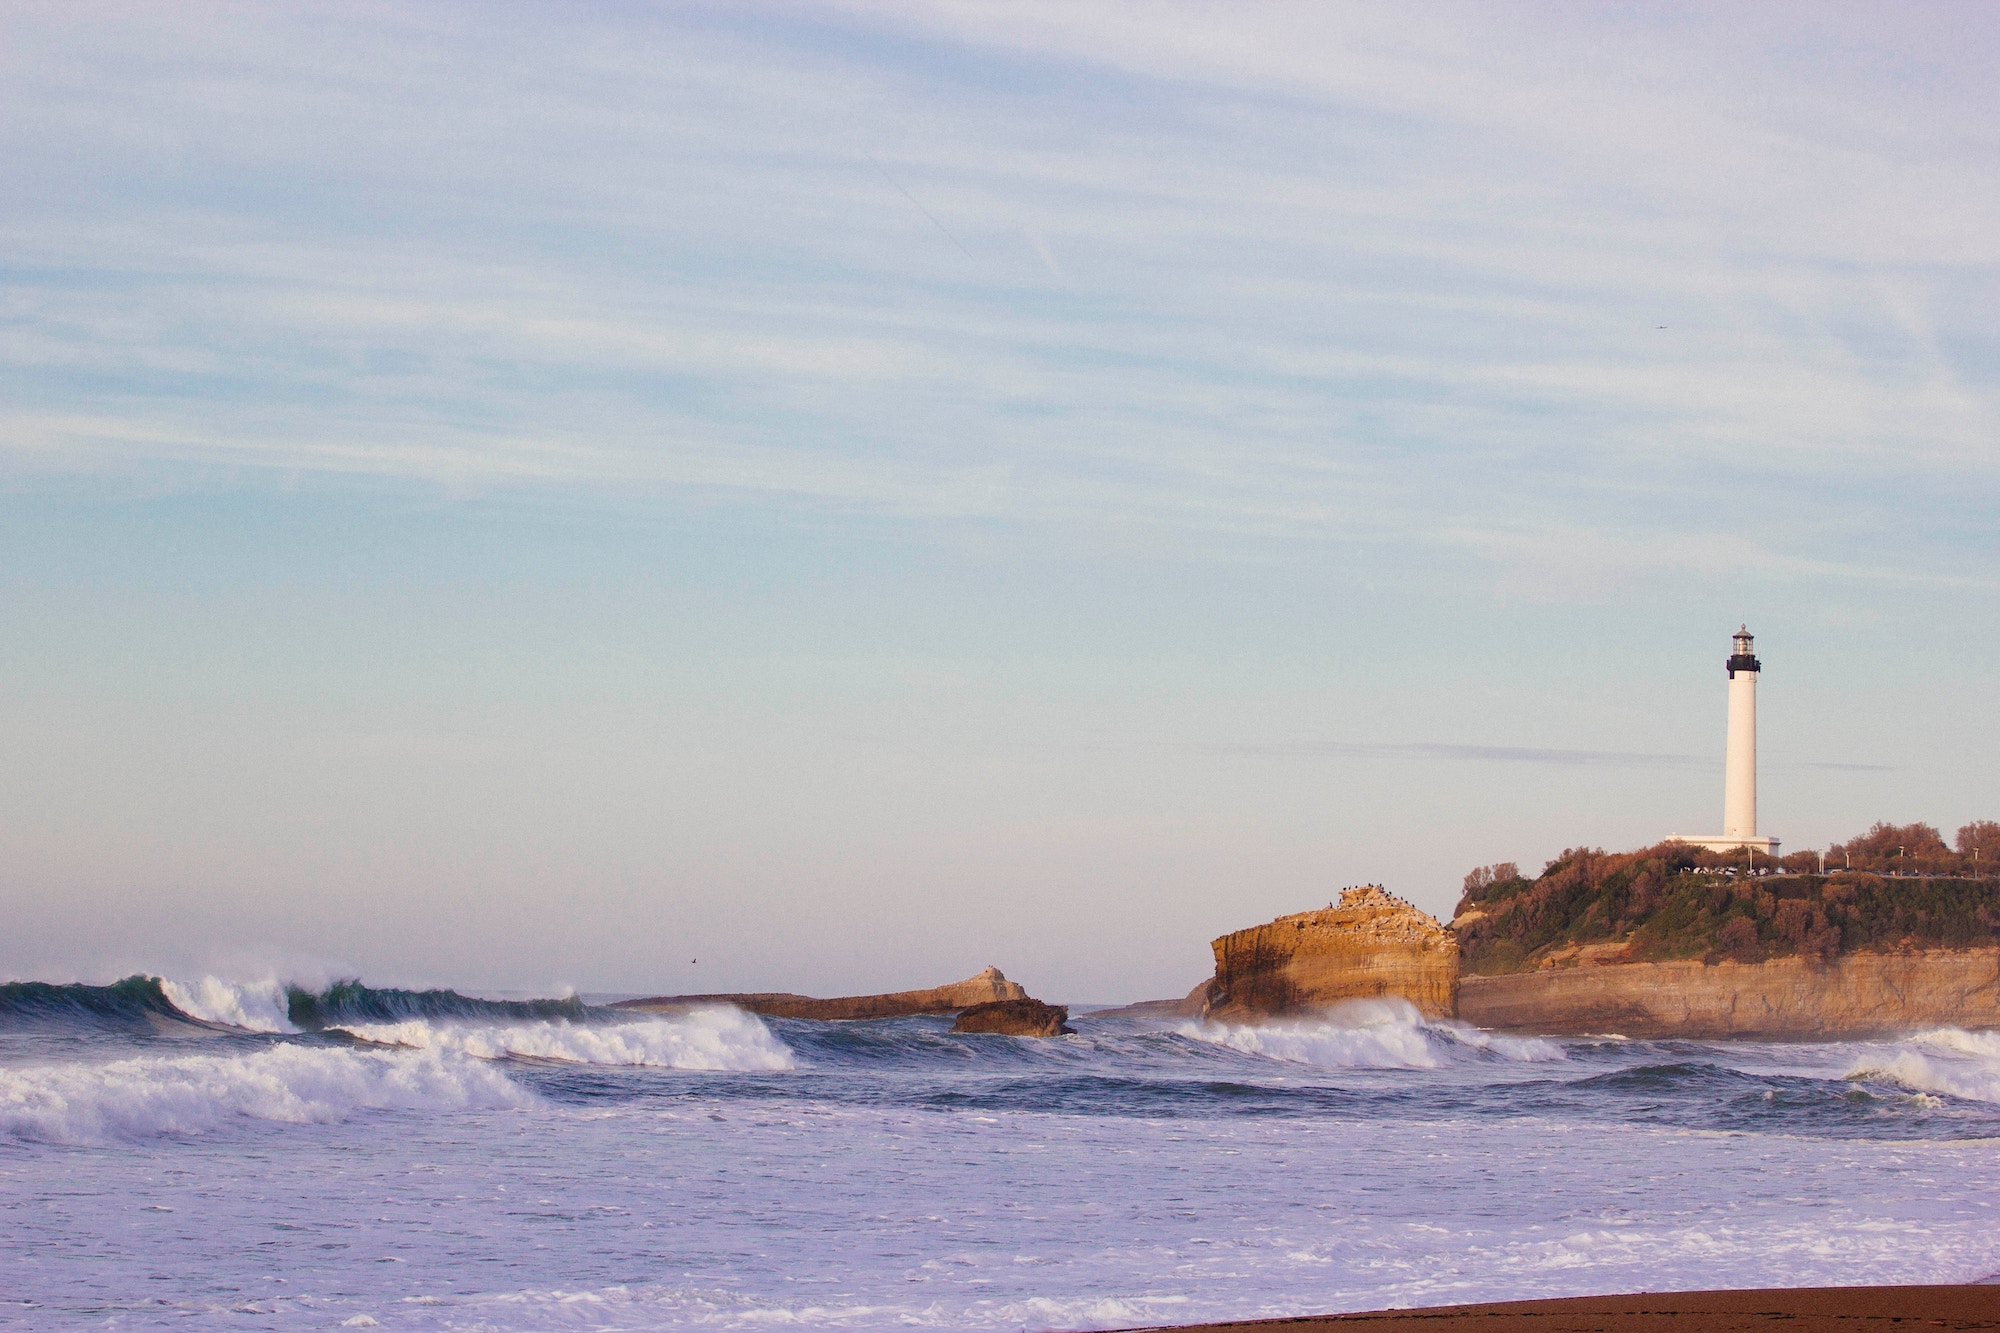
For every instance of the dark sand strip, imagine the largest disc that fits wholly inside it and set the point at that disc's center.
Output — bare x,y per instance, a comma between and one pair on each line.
1778,1310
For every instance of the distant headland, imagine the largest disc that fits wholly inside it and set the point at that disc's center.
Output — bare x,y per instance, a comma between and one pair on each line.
1669,940
1718,935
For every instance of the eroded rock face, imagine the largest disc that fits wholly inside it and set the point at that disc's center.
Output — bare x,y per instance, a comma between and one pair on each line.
985,988
1372,946
1854,995
1016,1018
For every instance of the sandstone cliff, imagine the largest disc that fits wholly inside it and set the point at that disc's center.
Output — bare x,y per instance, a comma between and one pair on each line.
1856,994
985,988
1016,1018
1372,946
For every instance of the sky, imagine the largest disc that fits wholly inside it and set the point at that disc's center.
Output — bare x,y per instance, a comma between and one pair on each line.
826,497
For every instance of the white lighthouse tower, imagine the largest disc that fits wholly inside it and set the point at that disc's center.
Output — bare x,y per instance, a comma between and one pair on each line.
1739,765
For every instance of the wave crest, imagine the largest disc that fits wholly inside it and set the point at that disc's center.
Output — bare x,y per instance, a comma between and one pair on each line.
712,1039
1947,1061
1369,1034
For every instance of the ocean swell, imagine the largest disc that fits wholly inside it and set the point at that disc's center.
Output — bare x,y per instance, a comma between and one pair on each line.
131,1003
347,1002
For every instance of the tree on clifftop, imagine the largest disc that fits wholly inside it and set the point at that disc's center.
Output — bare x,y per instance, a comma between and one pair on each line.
1678,901
1485,877
1979,844
1897,848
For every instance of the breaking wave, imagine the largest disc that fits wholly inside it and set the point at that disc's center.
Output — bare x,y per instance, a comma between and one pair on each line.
139,1002
718,1039
286,1083
1946,1061
1370,1034
259,1006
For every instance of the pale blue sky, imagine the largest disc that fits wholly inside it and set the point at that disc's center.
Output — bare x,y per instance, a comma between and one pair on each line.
516,496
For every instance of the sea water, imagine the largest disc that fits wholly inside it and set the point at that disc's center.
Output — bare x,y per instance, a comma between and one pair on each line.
178,1156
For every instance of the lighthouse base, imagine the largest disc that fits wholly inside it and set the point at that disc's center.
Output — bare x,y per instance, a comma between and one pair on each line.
1768,846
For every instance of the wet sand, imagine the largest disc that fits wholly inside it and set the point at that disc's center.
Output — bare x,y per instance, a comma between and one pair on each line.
1777,1310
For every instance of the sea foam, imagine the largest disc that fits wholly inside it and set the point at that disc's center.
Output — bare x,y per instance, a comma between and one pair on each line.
152,1096
711,1039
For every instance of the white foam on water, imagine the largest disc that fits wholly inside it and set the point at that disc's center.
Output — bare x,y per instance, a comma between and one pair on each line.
1979,1045
254,1006
1082,1313
1946,1061
713,1039
153,1096
654,1307
1532,1050
1368,1034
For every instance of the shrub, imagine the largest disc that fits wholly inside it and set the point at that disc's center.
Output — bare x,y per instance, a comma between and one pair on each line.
1676,901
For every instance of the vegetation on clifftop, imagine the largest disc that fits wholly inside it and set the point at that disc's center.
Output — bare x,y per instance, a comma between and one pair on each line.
1678,901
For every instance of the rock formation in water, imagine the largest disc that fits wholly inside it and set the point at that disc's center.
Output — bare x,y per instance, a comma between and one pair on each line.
1016,1018
985,988
1372,946
1852,995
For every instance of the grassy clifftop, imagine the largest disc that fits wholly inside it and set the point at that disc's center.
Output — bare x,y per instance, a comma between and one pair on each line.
1674,901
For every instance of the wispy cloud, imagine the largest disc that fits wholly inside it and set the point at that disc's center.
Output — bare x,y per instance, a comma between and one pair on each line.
1286,273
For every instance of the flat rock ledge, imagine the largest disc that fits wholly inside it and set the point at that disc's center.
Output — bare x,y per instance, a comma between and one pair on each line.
985,988
1016,1018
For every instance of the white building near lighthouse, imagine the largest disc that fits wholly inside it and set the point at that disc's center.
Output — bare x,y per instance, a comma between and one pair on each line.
1739,765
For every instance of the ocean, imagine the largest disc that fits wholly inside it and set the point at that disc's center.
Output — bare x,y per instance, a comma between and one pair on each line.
178,1155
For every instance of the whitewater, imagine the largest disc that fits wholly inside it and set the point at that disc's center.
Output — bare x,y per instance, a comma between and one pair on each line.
213,1153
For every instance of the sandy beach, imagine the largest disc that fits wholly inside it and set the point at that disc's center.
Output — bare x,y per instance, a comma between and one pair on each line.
1797,1310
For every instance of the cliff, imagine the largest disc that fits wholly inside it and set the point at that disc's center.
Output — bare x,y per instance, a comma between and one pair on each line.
1673,941
1853,995
1371,946
985,988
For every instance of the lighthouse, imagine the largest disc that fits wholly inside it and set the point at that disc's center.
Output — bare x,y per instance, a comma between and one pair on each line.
1739,762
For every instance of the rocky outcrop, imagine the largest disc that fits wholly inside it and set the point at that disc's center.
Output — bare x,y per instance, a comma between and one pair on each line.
985,988
1372,946
1853,995
1016,1018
